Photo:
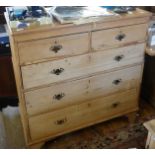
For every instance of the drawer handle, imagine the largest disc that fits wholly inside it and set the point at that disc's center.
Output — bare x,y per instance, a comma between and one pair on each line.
57,71
116,82
59,96
61,121
119,57
56,48
120,37
114,105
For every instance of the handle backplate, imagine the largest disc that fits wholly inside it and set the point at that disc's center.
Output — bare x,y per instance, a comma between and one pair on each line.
120,37
59,96
115,104
56,48
119,57
61,121
117,81
57,71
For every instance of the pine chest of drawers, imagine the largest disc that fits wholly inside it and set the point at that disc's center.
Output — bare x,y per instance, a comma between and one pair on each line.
72,76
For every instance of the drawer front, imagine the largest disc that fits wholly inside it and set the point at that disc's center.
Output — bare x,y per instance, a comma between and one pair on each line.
81,115
62,95
119,36
53,48
80,66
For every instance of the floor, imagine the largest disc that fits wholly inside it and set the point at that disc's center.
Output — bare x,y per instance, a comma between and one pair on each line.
11,133
116,133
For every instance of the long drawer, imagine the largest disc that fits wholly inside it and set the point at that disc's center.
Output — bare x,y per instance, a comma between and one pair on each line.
56,47
65,94
83,114
80,66
105,39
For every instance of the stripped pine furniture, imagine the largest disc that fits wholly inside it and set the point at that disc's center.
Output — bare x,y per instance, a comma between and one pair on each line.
72,76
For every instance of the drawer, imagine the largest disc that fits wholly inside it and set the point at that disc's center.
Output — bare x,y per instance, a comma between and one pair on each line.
65,94
81,115
80,66
57,47
118,36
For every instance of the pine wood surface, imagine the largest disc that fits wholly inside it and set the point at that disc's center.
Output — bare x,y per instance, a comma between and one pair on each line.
125,51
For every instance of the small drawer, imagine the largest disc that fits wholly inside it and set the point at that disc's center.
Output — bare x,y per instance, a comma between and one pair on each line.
82,115
80,66
105,39
57,47
61,95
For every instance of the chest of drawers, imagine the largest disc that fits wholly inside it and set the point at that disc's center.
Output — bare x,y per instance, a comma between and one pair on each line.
72,76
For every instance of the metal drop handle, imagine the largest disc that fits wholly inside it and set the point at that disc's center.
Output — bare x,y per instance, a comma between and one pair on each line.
59,96
117,81
56,48
57,71
61,121
120,37
114,105
119,57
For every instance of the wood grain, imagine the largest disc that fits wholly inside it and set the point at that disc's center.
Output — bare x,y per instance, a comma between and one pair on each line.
40,74
109,38
82,114
70,45
43,100
83,62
